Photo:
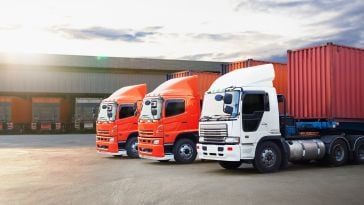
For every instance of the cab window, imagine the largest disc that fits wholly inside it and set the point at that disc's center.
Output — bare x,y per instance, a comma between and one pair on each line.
254,106
126,110
174,107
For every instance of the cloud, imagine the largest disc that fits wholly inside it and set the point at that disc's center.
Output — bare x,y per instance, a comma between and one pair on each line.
234,36
349,25
127,35
198,56
277,58
10,27
310,6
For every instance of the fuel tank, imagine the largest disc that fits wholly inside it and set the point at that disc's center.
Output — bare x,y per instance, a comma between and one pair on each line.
312,149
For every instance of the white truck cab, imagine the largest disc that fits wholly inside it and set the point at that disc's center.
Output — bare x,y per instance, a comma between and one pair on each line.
239,109
240,122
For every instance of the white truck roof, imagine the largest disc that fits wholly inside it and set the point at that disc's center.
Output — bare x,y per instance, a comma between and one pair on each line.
256,76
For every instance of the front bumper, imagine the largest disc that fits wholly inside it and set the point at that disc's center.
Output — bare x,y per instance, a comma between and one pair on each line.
166,157
119,153
219,152
103,145
148,150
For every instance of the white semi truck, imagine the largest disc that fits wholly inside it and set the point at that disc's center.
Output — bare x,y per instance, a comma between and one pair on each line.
240,123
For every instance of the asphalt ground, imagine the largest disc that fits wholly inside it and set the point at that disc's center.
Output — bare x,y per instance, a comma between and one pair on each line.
65,169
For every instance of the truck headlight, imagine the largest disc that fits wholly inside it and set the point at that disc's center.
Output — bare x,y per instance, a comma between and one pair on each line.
111,139
201,139
232,140
155,141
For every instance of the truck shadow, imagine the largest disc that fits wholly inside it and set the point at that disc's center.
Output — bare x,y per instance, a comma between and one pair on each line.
174,163
118,157
249,170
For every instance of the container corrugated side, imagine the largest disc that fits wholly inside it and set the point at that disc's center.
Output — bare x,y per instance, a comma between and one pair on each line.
205,79
325,82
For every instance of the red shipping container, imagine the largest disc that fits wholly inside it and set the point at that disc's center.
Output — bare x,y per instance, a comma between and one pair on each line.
326,82
205,79
281,74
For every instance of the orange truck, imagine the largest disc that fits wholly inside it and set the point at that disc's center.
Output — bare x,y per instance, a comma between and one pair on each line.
117,121
168,122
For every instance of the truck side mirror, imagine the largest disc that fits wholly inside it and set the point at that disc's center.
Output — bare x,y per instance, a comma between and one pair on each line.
228,98
228,109
109,114
154,112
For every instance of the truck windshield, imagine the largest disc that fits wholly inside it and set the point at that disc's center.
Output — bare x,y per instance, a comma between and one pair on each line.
152,109
213,109
107,112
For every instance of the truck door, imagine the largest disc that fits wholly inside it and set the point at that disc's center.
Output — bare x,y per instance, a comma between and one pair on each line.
254,124
175,118
127,121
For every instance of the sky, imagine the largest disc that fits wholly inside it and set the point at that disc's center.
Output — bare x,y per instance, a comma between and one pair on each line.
212,30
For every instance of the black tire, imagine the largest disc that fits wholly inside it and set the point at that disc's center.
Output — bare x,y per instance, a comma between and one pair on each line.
359,153
184,151
230,165
339,154
268,157
130,147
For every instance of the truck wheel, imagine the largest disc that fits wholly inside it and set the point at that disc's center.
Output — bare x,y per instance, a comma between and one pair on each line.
268,157
230,165
359,153
131,147
185,151
339,154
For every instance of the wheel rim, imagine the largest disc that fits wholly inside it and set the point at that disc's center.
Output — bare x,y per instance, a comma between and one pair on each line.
361,152
339,153
134,147
186,151
268,157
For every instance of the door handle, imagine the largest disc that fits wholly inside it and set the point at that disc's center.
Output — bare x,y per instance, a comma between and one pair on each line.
184,122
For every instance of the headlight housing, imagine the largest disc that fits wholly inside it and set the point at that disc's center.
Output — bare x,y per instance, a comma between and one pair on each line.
111,139
232,140
155,141
201,139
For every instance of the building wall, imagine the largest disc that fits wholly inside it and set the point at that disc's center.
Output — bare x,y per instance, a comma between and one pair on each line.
58,81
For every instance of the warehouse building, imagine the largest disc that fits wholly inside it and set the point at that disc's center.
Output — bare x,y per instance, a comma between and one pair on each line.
60,92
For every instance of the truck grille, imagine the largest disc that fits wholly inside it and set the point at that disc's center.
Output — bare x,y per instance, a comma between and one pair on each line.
213,133
103,132
146,133
103,139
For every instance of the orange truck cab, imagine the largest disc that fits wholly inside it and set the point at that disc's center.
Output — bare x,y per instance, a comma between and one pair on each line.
117,121
168,122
